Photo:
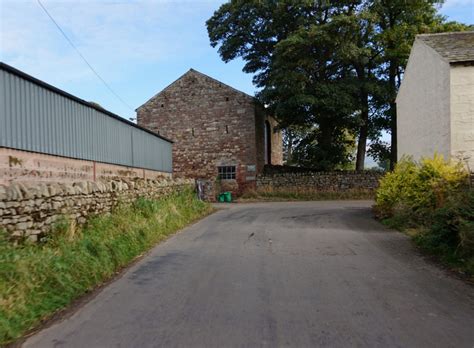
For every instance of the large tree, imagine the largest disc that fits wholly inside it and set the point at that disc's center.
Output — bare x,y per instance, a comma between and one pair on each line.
327,68
293,48
397,22
309,86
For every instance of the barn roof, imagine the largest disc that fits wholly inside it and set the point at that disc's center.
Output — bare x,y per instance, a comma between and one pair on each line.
23,75
454,47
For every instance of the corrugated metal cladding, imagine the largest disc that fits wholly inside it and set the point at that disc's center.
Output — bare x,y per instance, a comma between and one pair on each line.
34,118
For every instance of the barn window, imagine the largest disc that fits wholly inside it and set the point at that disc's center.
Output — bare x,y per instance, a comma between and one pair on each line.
226,172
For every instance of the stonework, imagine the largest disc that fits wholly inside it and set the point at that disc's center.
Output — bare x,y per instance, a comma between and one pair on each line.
321,181
462,113
29,210
212,125
26,167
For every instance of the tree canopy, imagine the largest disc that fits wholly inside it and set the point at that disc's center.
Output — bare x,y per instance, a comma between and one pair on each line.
328,70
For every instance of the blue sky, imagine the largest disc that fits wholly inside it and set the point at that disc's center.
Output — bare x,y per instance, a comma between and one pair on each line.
138,47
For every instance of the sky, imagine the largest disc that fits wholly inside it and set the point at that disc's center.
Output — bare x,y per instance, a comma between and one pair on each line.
137,47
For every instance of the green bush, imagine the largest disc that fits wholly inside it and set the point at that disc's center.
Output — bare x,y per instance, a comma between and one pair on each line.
434,198
452,228
38,279
415,189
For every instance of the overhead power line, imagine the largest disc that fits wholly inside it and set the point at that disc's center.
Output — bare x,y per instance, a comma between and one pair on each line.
83,58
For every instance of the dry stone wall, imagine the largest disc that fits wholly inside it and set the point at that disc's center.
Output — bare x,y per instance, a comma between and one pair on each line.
320,181
29,210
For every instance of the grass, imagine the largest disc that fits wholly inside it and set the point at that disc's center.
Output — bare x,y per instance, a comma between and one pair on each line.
446,233
450,257
432,201
270,194
36,280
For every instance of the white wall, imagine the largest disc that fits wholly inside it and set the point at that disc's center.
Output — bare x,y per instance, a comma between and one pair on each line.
462,112
423,105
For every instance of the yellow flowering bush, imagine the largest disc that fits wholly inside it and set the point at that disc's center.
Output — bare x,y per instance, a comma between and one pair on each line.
414,188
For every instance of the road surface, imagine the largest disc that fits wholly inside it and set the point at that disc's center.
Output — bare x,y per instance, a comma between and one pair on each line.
303,274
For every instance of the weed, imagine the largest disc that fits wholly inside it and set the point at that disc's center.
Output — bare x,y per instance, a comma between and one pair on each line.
37,280
433,198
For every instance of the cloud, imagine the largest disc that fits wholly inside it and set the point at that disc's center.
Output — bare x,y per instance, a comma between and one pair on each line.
455,3
113,35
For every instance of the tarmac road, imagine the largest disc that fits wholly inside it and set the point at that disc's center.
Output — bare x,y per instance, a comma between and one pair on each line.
303,274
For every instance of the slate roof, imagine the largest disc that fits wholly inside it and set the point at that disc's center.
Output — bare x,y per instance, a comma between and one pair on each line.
455,47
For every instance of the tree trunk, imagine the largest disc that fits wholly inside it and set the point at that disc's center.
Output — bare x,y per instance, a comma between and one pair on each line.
325,144
362,144
393,114
393,147
289,147
363,132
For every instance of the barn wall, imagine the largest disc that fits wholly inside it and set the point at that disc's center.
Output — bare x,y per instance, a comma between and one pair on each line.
462,113
423,105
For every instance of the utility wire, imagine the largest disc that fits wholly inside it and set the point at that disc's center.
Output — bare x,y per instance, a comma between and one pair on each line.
83,58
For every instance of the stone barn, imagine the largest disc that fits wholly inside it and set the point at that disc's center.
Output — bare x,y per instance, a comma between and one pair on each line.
219,133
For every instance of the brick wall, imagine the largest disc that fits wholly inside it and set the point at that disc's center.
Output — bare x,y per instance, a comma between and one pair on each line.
25,166
211,124
29,210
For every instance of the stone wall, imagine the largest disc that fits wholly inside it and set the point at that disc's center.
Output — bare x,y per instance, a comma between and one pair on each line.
211,124
29,210
320,181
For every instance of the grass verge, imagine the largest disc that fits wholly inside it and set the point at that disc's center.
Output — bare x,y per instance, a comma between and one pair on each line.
448,237
433,202
452,258
37,280
269,195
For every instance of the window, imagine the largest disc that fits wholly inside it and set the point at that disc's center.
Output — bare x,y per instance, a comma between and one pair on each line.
226,172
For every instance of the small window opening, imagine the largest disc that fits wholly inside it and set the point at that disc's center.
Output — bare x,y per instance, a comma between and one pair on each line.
226,98
226,172
192,131
227,129
162,105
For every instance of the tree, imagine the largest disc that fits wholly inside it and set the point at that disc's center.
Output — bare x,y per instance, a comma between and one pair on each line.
308,86
397,22
327,68
361,57
293,48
